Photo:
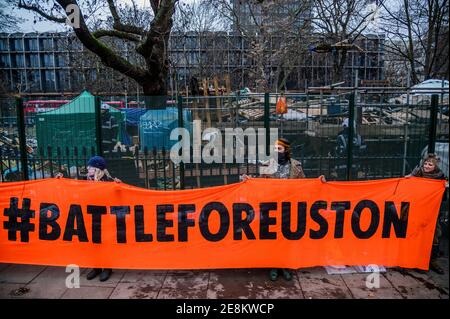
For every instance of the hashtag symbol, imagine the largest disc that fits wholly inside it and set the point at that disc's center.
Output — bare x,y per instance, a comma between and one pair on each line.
14,213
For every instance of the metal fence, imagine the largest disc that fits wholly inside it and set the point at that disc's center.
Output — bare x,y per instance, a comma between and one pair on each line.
391,130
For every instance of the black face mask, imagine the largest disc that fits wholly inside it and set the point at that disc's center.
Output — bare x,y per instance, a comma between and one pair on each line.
282,158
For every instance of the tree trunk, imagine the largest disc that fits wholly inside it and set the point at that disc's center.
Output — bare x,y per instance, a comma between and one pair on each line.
155,92
154,83
339,60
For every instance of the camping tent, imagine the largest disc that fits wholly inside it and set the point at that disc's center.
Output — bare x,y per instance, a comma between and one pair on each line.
156,125
72,125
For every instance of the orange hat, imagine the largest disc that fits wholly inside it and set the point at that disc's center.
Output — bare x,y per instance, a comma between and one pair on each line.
286,144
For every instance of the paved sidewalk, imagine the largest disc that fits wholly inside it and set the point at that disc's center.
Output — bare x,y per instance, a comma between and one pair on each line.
26,281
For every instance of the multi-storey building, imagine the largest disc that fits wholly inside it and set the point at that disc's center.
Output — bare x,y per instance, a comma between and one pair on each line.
57,62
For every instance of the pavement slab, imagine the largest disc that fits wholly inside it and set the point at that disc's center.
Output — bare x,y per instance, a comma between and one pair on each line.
251,283
49,284
370,286
186,280
413,285
170,293
154,278
88,293
317,284
10,291
135,290
20,274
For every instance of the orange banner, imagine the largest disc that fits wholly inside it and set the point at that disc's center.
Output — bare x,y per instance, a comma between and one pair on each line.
254,224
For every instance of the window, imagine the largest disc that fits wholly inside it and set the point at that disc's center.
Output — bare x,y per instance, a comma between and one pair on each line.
18,45
46,44
48,60
61,44
3,45
34,80
31,44
18,79
4,61
19,62
61,60
49,80
32,61
191,43
62,80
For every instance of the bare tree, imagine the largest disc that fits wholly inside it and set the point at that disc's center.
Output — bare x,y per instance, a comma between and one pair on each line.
341,23
197,26
272,30
150,36
8,22
417,31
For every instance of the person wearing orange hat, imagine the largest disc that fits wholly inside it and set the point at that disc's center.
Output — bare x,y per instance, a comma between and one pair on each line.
282,166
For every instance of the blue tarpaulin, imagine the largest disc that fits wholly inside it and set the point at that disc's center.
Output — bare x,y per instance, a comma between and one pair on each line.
132,115
156,125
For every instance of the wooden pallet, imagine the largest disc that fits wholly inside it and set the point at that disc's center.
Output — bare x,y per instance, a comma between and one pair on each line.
252,115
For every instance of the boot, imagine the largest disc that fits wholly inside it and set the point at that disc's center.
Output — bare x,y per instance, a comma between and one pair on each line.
106,273
93,273
273,274
287,275
434,266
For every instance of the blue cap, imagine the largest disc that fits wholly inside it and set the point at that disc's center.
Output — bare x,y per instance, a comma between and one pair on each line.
98,162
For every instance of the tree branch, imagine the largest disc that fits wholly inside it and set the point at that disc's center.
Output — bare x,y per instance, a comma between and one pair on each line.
106,55
114,33
118,25
160,26
40,12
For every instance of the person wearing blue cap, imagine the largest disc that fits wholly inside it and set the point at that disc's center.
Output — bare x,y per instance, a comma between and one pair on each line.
96,171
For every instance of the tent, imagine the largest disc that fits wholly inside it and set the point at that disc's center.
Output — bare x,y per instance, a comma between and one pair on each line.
72,125
430,87
155,127
132,116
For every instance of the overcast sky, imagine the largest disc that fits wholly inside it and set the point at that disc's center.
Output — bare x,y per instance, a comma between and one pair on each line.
47,26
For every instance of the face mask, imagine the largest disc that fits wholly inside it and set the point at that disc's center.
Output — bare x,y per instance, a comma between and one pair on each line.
282,158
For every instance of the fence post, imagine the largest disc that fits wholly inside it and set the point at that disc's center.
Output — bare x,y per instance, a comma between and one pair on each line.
180,125
433,123
267,120
98,126
351,133
22,138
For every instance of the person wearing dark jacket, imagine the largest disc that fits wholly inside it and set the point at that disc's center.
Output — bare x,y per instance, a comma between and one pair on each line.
97,172
430,169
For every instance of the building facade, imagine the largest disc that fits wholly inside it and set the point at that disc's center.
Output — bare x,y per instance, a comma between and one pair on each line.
58,62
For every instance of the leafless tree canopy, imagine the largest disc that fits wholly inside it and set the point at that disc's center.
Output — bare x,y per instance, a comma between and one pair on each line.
342,22
417,32
149,30
8,20
275,32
